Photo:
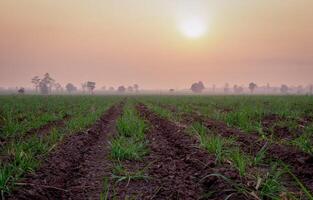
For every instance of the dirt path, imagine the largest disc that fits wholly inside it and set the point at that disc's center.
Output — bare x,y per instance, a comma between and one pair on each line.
301,162
75,170
176,166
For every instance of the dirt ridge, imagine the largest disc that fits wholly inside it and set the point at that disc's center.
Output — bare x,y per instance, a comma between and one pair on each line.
300,162
76,167
179,165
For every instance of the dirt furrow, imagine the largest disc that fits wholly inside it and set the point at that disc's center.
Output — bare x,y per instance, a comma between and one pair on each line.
300,162
178,167
76,168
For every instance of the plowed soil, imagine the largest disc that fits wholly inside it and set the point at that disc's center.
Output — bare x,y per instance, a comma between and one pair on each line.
177,167
300,162
76,168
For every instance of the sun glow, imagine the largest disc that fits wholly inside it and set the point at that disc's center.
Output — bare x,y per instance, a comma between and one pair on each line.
193,27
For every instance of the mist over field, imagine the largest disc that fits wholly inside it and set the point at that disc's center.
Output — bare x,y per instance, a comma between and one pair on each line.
158,45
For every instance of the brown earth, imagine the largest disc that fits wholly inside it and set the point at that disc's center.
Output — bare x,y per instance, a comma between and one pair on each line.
176,166
300,162
75,169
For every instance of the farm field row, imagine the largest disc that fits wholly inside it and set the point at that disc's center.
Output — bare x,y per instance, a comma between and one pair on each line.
153,147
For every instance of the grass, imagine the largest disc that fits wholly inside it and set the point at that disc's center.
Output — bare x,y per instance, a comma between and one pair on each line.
129,143
121,174
24,155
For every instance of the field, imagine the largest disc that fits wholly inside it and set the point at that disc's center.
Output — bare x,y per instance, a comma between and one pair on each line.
156,147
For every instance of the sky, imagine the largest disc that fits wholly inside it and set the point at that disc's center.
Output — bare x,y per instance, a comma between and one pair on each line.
148,42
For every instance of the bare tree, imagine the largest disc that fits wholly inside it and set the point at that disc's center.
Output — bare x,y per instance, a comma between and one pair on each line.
197,87
252,87
36,82
70,88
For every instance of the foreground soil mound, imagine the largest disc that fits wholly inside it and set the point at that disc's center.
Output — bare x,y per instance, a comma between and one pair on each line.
75,169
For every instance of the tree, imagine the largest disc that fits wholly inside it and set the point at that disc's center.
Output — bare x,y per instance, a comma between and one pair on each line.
197,87
171,90
44,89
103,88
36,82
91,86
136,87
48,81
111,88
226,88
284,89
21,90
130,89
58,87
121,89
252,87
84,87
70,88
238,89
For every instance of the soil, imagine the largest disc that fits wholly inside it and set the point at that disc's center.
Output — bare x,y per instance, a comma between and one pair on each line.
271,125
300,162
176,166
75,169
38,132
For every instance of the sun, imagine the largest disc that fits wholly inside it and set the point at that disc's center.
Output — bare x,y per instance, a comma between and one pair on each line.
193,27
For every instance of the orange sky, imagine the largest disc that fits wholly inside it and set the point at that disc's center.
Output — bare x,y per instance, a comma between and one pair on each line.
116,42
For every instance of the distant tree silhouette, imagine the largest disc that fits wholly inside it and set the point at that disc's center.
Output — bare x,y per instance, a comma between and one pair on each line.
136,87
284,89
171,90
103,88
58,87
84,87
197,87
91,86
111,88
238,89
252,87
130,89
21,90
44,89
70,88
48,81
268,87
121,89
226,88
36,82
